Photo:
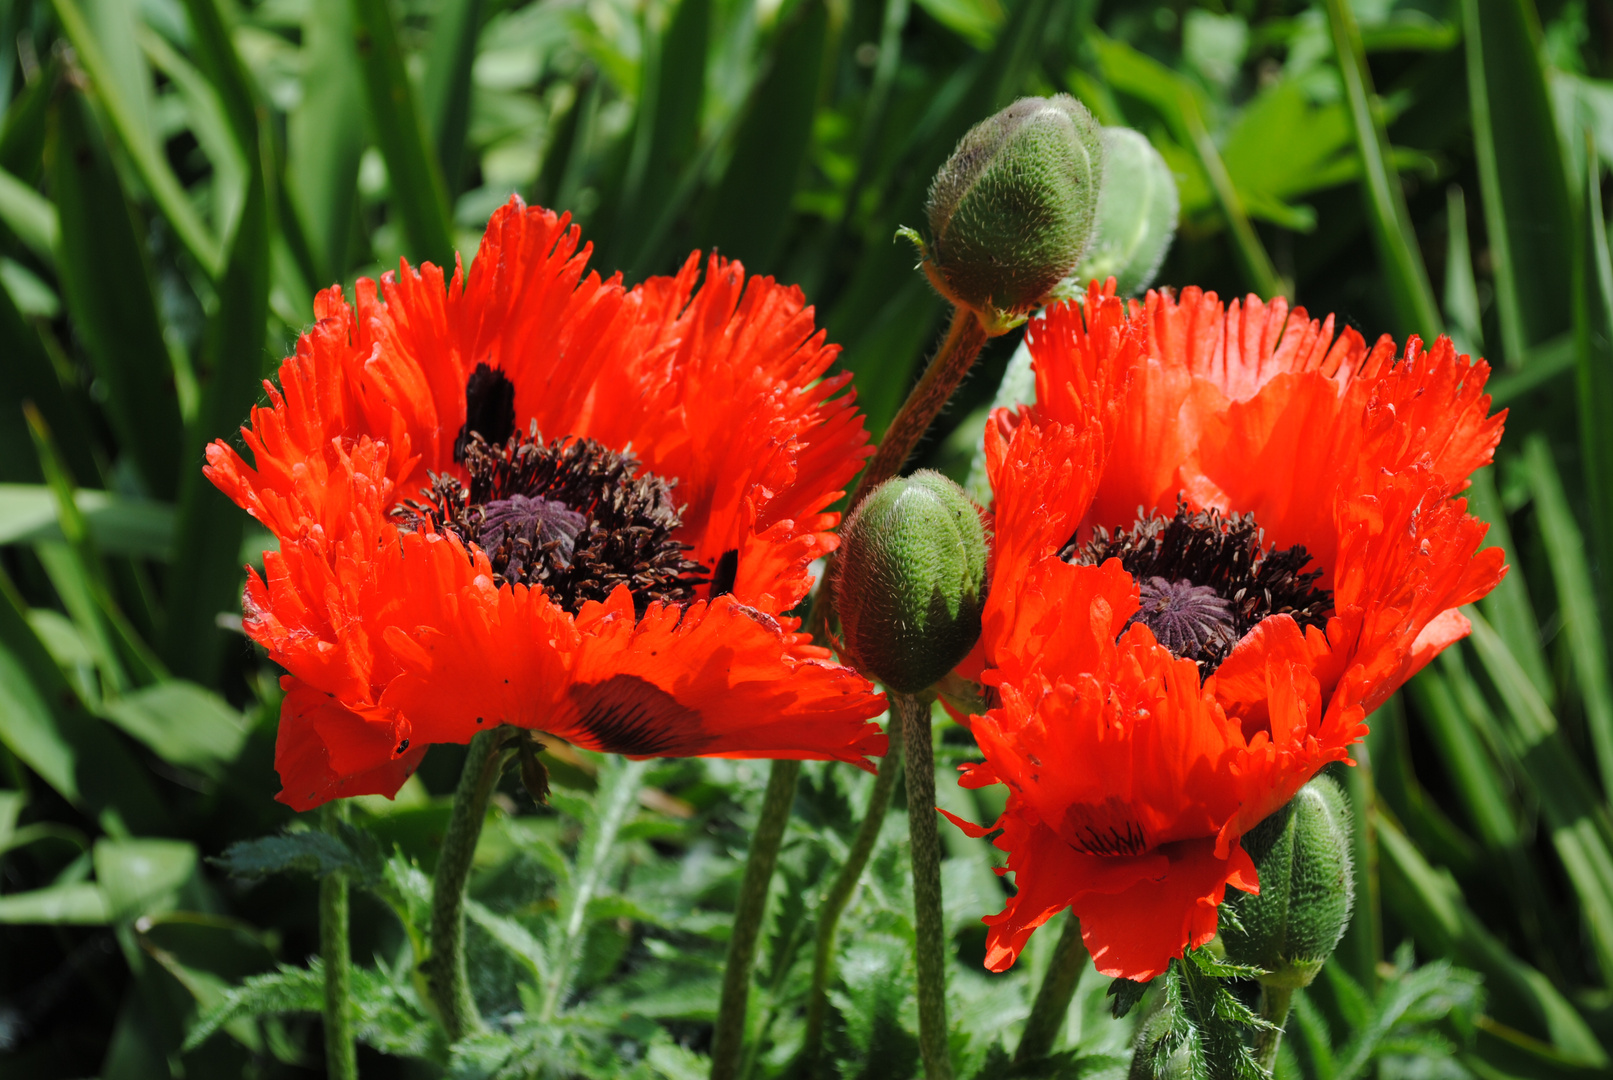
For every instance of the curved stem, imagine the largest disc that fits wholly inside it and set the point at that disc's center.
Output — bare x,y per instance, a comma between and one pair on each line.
729,1037
445,967
341,1060
965,338
1052,1004
929,930
839,895
1274,1002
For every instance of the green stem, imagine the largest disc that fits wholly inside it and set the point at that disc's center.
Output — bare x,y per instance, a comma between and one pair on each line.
341,1061
1274,1002
729,1038
834,904
445,967
965,338
929,931
1052,1004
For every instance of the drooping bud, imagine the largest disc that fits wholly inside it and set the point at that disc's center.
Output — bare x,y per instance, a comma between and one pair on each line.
1137,211
1302,853
912,581
1012,211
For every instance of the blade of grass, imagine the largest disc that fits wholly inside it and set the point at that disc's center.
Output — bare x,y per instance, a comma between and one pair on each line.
1429,904
751,207
206,574
1576,602
30,216
22,134
325,138
446,95
418,193
28,375
87,764
667,132
77,566
108,289
1461,290
1580,831
1593,361
166,191
1527,207
1392,230
215,54
1508,606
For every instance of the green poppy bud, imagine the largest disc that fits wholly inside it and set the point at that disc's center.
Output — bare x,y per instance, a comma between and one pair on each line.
1302,853
912,581
1012,211
1137,213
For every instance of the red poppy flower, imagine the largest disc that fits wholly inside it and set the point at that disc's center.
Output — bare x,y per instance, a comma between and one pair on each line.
1223,537
531,497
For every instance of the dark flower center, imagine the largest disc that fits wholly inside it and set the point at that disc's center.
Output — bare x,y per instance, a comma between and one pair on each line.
1205,580
569,515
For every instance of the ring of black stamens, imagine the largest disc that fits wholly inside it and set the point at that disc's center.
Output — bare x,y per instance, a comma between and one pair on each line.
1206,579
569,516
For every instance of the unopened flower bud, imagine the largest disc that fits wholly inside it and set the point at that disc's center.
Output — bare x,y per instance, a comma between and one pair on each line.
1137,213
1012,211
912,581
1302,853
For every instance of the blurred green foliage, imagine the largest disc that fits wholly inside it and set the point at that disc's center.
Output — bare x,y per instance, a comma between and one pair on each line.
179,177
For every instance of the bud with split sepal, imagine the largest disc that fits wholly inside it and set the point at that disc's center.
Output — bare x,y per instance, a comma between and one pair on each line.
911,581
1012,211
1307,888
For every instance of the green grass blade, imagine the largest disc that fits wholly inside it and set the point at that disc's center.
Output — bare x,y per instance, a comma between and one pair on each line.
215,54
1392,231
153,168
1429,904
1527,208
30,217
1593,361
118,526
28,375
22,133
210,527
74,753
418,193
1580,831
1461,290
445,97
1487,797
325,139
109,293
1508,606
665,140
1576,601
751,207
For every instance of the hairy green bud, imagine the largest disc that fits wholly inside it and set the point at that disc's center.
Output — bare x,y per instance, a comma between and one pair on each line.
1137,213
1302,853
912,581
1012,211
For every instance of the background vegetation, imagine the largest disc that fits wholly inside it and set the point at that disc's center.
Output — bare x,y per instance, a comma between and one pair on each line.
177,178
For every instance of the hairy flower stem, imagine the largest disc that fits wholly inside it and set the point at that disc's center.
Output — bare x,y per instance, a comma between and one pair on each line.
965,338
445,967
1274,1002
839,895
1052,1004
729,1038
929,931
341,1060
